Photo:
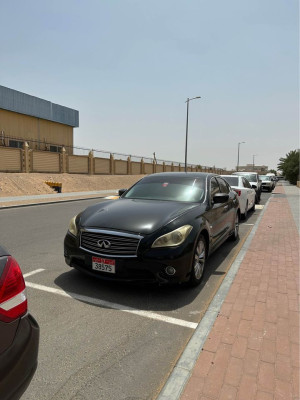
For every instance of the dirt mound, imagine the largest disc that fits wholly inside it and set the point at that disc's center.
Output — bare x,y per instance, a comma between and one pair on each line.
18,184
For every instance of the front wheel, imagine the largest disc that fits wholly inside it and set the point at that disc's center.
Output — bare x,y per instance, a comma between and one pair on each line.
198,262
235,233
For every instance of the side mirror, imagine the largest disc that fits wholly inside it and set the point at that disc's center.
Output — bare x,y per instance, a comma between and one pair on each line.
220,198
254,186
122,191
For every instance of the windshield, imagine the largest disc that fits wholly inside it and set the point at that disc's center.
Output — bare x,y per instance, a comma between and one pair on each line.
250,177
232,180
170,189
264,178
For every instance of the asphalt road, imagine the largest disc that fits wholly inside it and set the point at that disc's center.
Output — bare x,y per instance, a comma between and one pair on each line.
103,340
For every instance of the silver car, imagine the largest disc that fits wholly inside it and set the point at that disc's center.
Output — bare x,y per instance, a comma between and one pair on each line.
267,182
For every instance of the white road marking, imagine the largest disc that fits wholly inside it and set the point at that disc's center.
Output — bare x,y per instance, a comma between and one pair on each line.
120,307
249,224
259,206
36,271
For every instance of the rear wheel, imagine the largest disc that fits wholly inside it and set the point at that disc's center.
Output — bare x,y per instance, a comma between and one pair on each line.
257,198
244,216
198,262
235,233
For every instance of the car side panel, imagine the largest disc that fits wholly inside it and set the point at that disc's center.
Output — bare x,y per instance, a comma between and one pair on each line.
216,218
251,198
19,361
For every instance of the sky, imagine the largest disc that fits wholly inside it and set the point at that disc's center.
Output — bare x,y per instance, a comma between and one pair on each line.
128,67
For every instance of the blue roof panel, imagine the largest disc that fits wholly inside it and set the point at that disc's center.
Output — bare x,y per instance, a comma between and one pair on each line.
23,103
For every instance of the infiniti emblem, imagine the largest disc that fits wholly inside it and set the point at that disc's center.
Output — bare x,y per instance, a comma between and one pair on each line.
104,244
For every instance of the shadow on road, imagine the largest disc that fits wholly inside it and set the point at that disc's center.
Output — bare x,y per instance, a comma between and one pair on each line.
151,296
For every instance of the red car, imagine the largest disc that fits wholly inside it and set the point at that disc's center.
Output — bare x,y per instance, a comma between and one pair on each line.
19,331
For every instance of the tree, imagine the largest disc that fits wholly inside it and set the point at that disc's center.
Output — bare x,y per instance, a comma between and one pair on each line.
289,166
273,171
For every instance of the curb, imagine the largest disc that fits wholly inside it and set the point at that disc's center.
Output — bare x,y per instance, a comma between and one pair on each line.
47,203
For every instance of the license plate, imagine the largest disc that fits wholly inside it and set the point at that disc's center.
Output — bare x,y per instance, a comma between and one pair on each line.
104,265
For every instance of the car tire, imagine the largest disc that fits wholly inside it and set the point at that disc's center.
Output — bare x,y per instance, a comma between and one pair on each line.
244,216
257,199
235,233
199,261
253,207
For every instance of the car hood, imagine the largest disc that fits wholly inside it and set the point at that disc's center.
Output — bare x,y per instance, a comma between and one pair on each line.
132,215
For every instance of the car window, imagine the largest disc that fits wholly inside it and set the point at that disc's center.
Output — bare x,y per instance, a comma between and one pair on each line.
169,189
223,186
214,188
246,183
250,177
232,180
264,178
249,184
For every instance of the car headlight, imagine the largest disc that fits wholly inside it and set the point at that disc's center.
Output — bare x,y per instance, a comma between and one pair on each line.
174,238
72,226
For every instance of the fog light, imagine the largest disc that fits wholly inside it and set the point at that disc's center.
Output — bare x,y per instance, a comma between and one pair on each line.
170,270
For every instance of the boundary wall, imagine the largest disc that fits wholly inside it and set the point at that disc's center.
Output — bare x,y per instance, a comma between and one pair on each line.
31,160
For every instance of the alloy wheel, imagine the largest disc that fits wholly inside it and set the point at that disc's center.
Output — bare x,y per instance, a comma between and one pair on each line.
199,260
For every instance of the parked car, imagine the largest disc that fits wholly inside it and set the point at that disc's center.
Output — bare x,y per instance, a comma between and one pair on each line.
161,230
273,178
19,331
267,183
255,182
245,192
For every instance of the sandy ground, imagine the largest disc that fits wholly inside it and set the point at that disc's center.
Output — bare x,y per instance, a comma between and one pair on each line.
18,184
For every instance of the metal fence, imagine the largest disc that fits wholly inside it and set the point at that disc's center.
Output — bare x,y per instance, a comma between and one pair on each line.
19,155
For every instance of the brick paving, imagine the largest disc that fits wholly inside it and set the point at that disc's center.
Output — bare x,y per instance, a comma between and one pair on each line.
252,351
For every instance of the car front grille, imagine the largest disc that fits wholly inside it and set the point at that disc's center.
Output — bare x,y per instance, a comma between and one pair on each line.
107,243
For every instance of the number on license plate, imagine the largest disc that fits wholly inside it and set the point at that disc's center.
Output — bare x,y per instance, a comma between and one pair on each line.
104,265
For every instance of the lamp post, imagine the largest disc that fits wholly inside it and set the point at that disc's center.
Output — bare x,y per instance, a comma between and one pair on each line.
253,161
187,128
238,162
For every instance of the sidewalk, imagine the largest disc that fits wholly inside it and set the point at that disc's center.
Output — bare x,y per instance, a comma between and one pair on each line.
14,201
252,350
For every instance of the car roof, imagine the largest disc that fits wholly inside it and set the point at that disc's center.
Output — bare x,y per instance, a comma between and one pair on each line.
244,173
200,175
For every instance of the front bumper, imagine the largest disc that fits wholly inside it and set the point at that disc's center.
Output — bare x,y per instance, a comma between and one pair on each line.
19,361
146,268
267,186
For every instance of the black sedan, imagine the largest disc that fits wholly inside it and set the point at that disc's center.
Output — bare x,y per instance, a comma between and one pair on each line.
19,332
161,230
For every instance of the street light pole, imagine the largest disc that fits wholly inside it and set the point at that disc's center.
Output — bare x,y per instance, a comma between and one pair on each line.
253,161
238,162
187,129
